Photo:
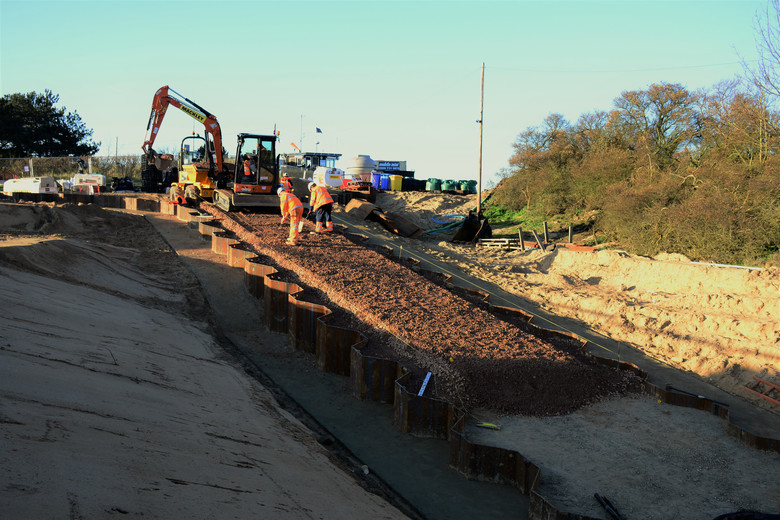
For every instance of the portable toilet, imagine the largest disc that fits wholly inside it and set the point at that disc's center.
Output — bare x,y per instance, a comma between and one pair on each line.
396,182
433,185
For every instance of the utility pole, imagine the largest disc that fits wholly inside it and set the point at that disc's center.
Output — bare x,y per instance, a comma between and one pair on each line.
481,111
301,141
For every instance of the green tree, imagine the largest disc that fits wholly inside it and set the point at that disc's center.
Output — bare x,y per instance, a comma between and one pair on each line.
31,125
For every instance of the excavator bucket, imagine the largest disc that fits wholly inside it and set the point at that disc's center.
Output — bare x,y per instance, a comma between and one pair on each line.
163,161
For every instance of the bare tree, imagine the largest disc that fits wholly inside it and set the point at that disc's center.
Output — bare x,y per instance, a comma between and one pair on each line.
766,73
661,119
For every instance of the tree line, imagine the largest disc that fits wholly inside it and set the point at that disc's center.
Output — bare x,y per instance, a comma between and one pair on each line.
666,169
32,126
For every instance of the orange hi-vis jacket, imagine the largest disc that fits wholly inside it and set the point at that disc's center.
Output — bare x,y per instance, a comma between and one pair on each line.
320,197
289,202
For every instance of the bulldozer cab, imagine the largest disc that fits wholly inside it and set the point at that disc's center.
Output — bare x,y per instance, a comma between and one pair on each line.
256,168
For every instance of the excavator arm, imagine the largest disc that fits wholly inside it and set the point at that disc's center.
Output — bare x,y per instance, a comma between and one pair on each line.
166,96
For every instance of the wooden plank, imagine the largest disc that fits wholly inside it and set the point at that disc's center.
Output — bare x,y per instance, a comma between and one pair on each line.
398,224
497,241
361,209
538,240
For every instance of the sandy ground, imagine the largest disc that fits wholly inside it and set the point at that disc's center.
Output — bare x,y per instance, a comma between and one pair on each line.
722,323
105,409
116,400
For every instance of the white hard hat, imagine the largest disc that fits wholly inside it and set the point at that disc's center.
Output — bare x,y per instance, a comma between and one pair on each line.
311,186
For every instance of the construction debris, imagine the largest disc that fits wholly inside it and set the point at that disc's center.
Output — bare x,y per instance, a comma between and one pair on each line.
397,224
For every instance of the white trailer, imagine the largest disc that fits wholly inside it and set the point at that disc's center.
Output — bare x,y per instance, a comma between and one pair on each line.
31,188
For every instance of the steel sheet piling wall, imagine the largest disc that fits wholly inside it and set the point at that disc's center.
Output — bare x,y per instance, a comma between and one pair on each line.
275,296
302,319
184,213
254,276
373,379
334,346
421,416
237,255
221,240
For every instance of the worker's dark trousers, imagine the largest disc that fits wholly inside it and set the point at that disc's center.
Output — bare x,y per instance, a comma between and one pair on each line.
324,221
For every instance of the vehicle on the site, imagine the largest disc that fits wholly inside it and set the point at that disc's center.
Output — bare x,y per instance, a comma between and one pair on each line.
199,169
303,164
91,179
31,188
256,175
320,167
4,177
202,172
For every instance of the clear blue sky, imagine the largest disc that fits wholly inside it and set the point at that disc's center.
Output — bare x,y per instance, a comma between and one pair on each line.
396,80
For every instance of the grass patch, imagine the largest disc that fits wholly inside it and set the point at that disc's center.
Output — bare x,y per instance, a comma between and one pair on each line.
505,221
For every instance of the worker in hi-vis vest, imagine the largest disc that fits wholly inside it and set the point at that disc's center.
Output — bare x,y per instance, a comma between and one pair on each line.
291,206
322,204
249,170
287,183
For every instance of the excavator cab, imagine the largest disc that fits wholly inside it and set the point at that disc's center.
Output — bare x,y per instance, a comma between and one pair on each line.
256,167
255,176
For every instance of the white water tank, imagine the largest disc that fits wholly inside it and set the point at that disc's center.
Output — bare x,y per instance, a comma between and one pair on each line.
360,166
330,177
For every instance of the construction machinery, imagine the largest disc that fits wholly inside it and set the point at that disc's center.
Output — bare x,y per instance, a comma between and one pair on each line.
202,172
197,173
255,176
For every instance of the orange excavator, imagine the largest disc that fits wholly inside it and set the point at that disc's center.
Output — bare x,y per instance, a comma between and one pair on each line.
201,172
196,174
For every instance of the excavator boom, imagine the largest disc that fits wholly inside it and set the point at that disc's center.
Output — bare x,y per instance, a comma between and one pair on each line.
166,96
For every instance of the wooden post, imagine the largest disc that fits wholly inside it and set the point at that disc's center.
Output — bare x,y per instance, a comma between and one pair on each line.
538,240
571,234
520,234
546,235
